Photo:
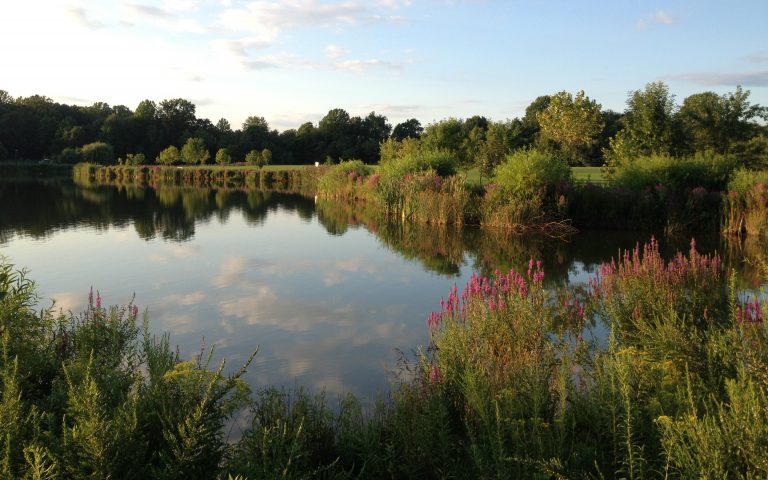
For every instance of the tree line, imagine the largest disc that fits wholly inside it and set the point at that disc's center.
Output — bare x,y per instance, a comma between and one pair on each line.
573,127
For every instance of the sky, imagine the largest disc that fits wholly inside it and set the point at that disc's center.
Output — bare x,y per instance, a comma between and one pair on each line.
291,61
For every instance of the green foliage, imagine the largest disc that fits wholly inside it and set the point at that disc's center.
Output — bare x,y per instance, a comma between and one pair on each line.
648,125
463,139
343,181
258,159
572,124
745,207
266,157
98,152
410,157
526,173
169,156
493,150
135,159
194,152
95,396
223,157
410,128
707,170
718,123
71,156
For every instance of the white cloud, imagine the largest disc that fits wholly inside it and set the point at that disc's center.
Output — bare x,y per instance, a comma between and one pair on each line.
231,272
69,302
148,10
660,17
270,15
187,299
362,65
335,51
333,278
83,18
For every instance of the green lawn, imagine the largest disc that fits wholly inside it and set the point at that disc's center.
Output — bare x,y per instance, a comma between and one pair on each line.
588,174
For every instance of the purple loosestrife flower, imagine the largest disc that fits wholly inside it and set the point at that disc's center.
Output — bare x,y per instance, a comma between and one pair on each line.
435,376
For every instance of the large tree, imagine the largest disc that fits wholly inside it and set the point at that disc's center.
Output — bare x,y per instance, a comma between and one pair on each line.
648,124
177,117
410,128
572,124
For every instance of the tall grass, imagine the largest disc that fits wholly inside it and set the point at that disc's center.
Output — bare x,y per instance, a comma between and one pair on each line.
745,207
516,382
96,396
299,180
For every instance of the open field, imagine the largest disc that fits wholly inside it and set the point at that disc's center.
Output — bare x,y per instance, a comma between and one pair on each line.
588,174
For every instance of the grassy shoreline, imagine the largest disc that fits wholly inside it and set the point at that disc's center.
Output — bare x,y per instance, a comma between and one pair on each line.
695,195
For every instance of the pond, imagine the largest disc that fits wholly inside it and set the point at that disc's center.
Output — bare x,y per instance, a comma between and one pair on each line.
327,293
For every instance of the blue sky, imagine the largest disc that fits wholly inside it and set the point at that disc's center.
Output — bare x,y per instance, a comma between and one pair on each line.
291,61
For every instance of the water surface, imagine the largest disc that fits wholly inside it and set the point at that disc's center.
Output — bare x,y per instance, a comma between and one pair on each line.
325,291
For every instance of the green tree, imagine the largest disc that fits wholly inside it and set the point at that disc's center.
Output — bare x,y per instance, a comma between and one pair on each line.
194,151
266,157
373,130
169,156
410,128
253,158
447,135
223,157
98,152
493,150
738,116
336,133
223,126
146,109
5,97
177,116
648,124
572,124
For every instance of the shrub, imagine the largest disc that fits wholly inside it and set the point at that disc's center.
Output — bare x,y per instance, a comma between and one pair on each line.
96,396
711,171
169,156
528,172
253,158
266,157
135,159
343,181
70,156
442,162
743,180
194,152
223,157
526,193
98,152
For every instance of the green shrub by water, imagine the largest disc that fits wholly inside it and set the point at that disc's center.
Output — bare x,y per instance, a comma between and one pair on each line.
710,171
96,396
526,192
745,207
